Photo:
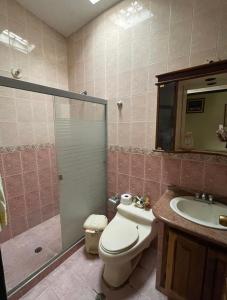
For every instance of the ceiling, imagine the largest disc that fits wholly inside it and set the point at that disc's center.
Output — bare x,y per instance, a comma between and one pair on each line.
66,16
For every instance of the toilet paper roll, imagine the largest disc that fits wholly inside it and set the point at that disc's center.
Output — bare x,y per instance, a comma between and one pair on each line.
126,199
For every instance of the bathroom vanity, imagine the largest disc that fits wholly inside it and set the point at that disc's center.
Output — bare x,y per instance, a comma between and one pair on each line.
192,259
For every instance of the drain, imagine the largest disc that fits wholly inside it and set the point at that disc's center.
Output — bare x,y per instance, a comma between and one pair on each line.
38,249
100,296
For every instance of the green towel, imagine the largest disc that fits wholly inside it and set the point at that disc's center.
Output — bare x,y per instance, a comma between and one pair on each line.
3,212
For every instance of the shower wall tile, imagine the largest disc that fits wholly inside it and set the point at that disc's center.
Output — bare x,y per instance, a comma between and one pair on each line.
43,65
12,163
17,206
31,186
34,218
28,159
30,181
32,201
14,185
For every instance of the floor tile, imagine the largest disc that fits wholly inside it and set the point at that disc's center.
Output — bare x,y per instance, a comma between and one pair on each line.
80,277
19,257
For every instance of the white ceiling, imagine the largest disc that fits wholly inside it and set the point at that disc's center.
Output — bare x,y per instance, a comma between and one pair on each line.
66,16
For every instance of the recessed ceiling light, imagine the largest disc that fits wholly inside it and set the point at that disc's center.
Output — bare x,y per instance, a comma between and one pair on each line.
94,1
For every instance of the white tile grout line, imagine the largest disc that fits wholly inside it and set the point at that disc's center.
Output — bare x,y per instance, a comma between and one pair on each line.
192,27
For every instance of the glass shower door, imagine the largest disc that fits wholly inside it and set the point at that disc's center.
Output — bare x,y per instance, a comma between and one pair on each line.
80,133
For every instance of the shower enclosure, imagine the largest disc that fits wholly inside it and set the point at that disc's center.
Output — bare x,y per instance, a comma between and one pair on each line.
53,165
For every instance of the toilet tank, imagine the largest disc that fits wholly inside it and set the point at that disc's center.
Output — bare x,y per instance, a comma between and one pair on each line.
136,214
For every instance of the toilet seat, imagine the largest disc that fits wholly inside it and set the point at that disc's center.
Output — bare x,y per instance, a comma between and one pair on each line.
119,237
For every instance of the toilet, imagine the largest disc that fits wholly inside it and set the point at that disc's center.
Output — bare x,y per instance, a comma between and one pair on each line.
123,241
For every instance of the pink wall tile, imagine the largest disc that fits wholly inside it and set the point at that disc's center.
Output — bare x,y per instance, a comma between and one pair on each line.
192,175
18,225
46,195
112,161
136,186
171,171
123,162
14,185
45,178
137,165
30,181
153,168
11,163
112,183
28,159
122,184
17,206
152,190
1,166
32,201
47,211
34,218
43,158
216,179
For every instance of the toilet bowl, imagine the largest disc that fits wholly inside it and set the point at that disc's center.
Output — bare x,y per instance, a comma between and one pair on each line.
123,241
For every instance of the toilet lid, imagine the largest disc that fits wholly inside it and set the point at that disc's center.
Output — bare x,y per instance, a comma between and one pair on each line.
119,237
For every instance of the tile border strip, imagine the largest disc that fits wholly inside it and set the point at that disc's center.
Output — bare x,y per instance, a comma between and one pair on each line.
189,156
7,149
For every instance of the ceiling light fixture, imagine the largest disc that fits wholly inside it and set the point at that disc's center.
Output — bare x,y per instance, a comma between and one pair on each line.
94,1
131,15
15,41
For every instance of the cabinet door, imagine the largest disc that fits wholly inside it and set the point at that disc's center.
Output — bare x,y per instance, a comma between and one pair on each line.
166,116
215,283
185,268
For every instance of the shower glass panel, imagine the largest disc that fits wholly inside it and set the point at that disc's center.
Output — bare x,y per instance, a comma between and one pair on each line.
32,236
53,166
80,135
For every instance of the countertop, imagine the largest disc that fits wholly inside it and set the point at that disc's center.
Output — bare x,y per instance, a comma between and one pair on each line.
163,212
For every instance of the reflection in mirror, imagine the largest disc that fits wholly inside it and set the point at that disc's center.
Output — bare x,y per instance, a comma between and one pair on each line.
203,114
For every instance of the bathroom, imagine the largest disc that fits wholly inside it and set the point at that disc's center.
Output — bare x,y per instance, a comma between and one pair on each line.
63,153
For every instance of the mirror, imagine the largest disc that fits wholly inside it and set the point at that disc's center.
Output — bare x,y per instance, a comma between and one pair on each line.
202,114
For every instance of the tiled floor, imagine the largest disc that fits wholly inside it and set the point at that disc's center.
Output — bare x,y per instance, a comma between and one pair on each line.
19,258
80,277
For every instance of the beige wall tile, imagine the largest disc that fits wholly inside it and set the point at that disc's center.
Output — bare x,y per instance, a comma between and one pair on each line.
8,109
178,34
8,134
124,134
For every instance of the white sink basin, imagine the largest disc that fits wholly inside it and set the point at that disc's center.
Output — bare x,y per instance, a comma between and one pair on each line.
199,212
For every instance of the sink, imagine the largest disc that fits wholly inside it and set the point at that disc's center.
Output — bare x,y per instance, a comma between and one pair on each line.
199,212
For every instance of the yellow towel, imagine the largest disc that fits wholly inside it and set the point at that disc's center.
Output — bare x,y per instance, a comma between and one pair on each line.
3,212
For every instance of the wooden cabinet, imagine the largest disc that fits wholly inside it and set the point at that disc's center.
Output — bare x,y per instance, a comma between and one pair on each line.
215,278
193,269
185,265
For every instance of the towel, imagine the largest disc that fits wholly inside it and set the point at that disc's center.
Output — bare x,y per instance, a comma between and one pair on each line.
3,212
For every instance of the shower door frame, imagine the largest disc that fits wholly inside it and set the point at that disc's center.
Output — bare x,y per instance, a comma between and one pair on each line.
36,276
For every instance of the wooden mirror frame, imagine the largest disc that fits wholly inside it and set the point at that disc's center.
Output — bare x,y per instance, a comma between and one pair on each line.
175,77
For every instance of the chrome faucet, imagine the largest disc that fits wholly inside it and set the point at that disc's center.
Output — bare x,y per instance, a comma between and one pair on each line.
204,198
210,198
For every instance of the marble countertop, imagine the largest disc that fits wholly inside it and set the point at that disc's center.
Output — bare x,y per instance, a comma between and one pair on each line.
163,212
